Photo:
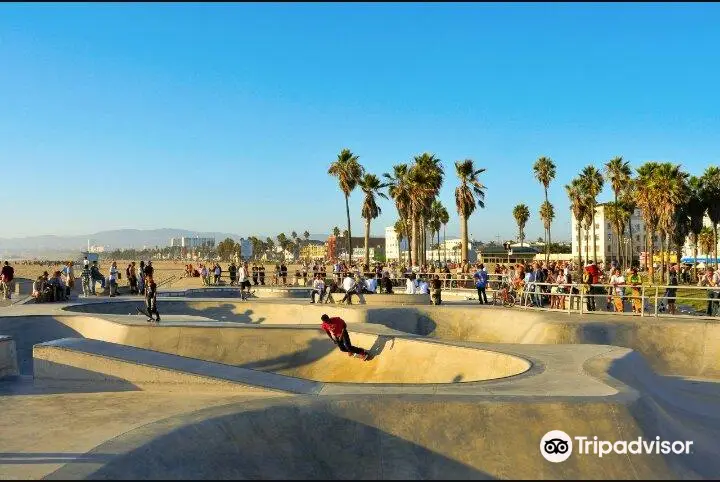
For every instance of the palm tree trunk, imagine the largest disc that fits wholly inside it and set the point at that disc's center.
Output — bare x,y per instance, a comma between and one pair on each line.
593,235
349,238
663,249
445,240
579,238
414,238
715,243
695,255
631,241
547,236
651,261
463,238
367,242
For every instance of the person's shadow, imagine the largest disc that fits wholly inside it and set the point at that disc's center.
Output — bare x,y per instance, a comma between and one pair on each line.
379,346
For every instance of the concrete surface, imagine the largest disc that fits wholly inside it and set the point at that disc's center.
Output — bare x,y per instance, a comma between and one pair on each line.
8,357
111,380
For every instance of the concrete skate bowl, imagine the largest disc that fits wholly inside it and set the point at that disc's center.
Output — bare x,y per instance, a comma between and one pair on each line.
367,437
307,353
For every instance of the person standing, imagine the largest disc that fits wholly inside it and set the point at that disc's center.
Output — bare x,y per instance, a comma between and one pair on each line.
149,270
635,281
232,269
617,280
85,279
671,293
113,278
132,279
261,271
243,281
336,330
141,278
69,275
481,278
283,273
710,279
7,276
436,290
151,298
255,274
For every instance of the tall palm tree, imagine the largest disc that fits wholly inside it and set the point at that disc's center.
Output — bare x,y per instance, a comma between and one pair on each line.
696,212
617,213
400,230
645,197
400,190
547,214
705,241
593,182
348,171
465,198
629,200
544,169
438,217
617,173
680,228
521,213
576,195
426,178
670,187
270,244
336,232
371,186
711,197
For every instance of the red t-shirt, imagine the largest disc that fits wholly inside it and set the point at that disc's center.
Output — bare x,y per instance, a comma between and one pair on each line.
594,272
334,325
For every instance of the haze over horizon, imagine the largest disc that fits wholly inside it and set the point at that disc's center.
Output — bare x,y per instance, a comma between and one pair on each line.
226,117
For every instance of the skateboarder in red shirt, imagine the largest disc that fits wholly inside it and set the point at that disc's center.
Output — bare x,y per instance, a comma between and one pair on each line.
336,329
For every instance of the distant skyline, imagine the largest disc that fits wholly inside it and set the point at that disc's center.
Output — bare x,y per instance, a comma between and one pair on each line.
225,117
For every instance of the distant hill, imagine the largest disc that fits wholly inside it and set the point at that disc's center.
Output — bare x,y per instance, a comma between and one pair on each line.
49,245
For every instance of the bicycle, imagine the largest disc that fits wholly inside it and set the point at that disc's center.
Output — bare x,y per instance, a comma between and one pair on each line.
504,296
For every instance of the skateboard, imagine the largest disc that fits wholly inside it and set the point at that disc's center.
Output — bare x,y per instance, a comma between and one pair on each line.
142,311
366,357
244,296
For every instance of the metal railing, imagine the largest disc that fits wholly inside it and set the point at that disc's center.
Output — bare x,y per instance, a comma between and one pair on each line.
647,300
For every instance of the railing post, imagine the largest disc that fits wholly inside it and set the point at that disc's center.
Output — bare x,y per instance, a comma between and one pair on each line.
581,291
642,301
657,289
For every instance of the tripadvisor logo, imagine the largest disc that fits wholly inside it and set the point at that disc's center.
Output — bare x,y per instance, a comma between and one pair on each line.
557,446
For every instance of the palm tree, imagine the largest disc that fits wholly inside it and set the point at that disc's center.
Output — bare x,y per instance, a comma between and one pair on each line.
617,213
425,177
617,173
521,213
438,217
705,241
645,197
629,200
270,244
348,171
547,214
593,182
711,198
670,187
400,230
680,228
370,185
544,169
282,243
400,190
576,195
306,235
465,201
696,212
336,232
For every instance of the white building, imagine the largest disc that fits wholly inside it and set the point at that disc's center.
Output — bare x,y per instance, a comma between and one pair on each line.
392,246
359,254
606,239
192,242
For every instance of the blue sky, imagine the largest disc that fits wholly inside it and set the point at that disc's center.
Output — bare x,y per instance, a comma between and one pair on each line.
225,117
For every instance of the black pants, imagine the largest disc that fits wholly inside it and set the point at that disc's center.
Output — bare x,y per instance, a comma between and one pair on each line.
482,297
345,345
348,296
591,299
711,303
151,306
255,280
262,279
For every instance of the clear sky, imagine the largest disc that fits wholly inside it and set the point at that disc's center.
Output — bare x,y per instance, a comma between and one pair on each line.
225,117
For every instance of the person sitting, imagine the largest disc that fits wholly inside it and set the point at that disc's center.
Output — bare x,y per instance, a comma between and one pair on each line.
371,284
57,287
423,287
410,285
39,289
349,287
318,288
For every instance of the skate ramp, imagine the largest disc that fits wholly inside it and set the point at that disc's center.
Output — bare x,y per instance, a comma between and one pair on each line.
375,438
307,352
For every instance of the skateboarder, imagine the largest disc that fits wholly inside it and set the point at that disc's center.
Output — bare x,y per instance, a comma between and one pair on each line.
336,329
151,298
